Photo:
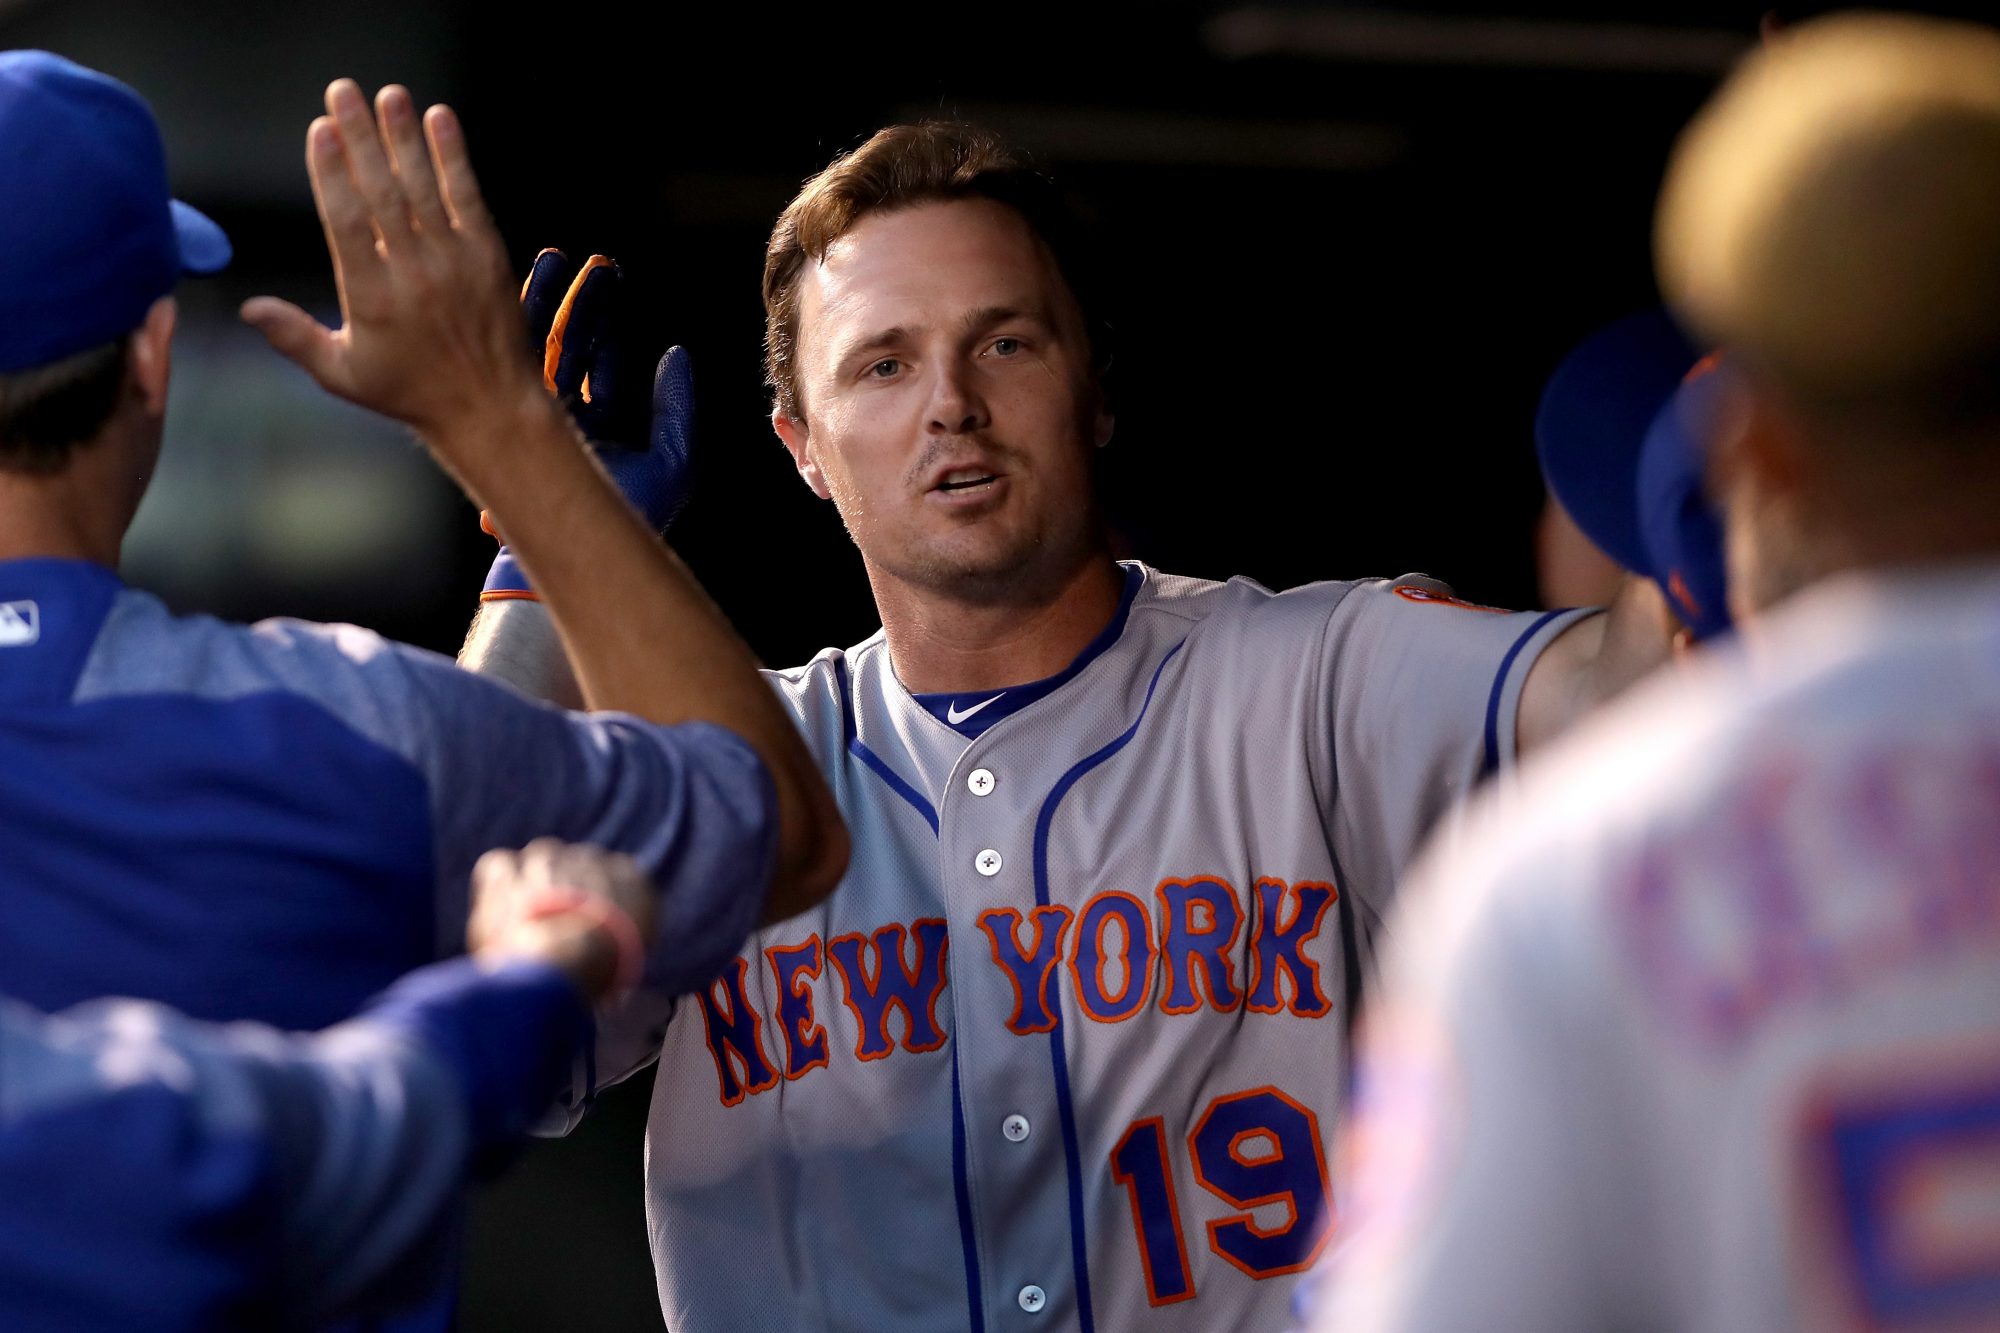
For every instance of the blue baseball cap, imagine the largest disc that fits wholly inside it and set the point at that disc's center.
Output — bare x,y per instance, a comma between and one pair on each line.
1678,522
1619,434
89,237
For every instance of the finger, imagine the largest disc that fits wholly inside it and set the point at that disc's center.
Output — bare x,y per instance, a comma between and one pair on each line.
495,868
673,407
670,440
580,326
300,338
350,238
579,867
613,410
496,878
368,164
456,181
542,296
538,861
411,159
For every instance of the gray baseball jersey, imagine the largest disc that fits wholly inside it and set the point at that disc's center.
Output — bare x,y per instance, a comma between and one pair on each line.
1698,1026
1063,1050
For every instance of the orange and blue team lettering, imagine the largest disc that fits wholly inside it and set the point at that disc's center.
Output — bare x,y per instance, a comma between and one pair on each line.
1278,948
1251,1149
1903,1163
1110,947
1033,970
1199,947
1087,964
1254,1149
1139,1163
914,990
805,1036
736,1036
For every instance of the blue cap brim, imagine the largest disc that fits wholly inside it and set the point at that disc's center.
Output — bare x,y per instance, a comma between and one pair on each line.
1680,525
1592,424
204,246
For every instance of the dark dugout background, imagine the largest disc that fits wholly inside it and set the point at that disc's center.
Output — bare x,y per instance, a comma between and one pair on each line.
1349,243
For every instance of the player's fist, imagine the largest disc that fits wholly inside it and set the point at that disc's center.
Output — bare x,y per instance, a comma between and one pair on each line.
586,911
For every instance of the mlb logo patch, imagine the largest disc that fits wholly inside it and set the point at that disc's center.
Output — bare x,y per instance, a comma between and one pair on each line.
20,624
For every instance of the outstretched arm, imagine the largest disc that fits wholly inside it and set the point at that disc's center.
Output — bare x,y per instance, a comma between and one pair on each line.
431,336
254,1177
1593,661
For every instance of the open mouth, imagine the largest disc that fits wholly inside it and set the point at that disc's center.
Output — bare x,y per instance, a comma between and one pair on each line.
966,479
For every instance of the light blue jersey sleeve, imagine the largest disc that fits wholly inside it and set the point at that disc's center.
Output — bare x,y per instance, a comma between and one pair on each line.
160,1173
693,804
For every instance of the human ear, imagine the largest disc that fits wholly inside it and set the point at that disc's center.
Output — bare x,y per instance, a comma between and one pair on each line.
152,355
796,436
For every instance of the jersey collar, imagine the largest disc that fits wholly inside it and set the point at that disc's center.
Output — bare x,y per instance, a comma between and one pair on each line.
970,713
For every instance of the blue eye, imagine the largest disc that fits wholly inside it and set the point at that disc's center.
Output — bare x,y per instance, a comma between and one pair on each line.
885,368
1006,346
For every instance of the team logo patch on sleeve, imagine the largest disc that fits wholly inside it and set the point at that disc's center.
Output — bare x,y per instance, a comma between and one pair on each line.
1410,592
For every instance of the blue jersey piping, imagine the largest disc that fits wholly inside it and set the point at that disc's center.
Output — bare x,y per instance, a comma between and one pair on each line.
1072,1163
875,761
1491,763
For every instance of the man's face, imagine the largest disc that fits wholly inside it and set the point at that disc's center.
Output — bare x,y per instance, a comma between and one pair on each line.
949,403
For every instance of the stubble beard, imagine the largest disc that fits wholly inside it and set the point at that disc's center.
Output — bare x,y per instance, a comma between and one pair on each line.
1024,567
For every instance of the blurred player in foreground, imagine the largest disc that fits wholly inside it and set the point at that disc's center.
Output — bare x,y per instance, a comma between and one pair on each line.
1698,1027
274,822
1066,1046
165,1174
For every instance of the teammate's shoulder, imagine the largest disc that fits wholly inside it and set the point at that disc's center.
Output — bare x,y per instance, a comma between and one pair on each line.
1909,643
354,673
308,653
146,648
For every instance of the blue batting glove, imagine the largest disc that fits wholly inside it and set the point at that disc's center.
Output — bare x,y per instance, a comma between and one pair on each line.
576,323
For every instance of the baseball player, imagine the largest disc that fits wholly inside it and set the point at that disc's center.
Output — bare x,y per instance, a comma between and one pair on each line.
1699,1026
161,1173
1065,1048
275,822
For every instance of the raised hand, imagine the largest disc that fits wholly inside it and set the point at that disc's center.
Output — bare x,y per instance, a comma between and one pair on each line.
596,362
430,332
592,362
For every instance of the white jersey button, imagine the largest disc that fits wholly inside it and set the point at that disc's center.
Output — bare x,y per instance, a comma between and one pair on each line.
987,862
1033,1298
980,781
1014,1128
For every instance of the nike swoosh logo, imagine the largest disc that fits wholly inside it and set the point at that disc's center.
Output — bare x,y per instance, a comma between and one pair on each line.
953,716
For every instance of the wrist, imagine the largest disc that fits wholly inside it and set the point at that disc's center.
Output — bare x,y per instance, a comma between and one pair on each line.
488,445
590,938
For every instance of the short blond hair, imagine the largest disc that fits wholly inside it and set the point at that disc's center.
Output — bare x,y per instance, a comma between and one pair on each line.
1834,214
